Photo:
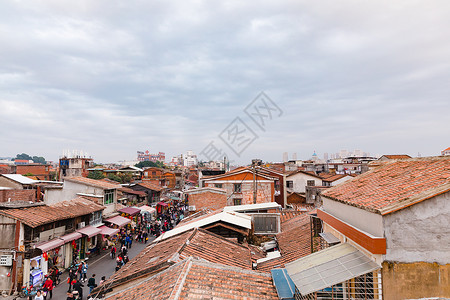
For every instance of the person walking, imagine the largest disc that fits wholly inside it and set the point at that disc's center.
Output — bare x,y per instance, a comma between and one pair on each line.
102,280
78,286
48,288
91,283
113,251
72,277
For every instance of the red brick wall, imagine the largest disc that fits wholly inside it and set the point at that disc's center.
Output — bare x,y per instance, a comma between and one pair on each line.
15,195
208,200
40,171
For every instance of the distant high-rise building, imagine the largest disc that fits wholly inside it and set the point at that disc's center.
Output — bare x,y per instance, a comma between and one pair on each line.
325,156
285,157
294,156
147,156
190,159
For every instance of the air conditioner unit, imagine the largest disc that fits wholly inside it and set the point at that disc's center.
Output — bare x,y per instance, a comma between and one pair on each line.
81,225
6,260
192,208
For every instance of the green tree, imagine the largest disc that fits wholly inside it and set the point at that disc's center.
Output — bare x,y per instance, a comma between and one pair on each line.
39,160
95,175
125,177
114,177
146,164
35,159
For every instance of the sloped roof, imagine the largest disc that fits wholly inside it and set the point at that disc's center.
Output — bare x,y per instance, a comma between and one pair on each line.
195,279
45,214
261,173
197,243
93,182
310,173
151,186
19,178
395,185
294,241
397,156
233,218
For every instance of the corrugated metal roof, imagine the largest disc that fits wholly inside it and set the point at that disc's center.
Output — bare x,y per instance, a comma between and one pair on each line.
283,283
20,178
234,218
328,267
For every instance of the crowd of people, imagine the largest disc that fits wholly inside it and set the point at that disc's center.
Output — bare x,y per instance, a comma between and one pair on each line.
139,230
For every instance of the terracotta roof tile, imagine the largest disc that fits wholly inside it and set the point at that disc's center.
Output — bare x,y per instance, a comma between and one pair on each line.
196,243
195,279
268,265
294,241
395,185
397,156
45,214
151,186
93,182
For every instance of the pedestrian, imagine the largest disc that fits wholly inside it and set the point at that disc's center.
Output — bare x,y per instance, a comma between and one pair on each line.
102,280
78,286
145,237
39,295
76,295
69,296
113,252
72,276
48,288
91,283
84,268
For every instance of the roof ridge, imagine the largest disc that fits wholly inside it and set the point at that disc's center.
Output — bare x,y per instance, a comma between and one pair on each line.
179,284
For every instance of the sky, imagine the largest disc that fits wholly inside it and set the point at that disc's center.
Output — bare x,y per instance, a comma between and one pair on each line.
110,78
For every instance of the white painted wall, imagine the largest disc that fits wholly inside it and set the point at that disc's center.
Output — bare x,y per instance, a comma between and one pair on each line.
300,180
362,219
420,232
343,179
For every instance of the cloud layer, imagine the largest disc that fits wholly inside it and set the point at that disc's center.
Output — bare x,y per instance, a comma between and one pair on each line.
113,77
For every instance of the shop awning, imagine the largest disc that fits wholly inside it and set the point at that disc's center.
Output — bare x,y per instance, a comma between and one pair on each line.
45,246
119,221
162,204
70,237
108,231
147,208
89,231
130,210
328,267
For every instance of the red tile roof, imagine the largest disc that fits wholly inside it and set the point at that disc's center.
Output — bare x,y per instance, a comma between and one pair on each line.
93,182
195,279
40,215
294,241
397,156
197,243
268,265
130,191
151,186
395,185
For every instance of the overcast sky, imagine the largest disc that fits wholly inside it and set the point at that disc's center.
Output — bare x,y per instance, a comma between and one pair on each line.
114,77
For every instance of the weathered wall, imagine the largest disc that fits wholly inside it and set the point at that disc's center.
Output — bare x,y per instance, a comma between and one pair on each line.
420,232
415,280
362,219
10,183
15,195
208,200
7,230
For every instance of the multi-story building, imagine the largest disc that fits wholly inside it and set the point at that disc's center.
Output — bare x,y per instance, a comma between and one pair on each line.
74,166
190,159
147,156
446,151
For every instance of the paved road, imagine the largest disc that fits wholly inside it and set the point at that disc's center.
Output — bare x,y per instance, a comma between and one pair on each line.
101,265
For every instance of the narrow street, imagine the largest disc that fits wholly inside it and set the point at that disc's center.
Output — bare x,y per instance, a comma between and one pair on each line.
101,265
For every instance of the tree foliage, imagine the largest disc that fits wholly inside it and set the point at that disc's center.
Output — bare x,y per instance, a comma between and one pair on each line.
146,164
35,159
96,175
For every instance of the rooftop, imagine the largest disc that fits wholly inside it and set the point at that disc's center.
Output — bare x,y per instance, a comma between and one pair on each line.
294,241
93,182
19,178
44,214
395,185
195,279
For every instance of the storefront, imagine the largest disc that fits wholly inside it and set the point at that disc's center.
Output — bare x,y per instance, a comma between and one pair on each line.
148,212
118,221
70,250
88,243
161,207
109,236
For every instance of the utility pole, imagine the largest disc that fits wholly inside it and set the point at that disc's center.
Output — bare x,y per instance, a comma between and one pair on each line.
255,162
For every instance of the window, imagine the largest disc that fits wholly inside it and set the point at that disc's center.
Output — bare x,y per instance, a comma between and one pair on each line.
290,184
237,188
96,218
153,173
237,201
310,183
109,197
218,185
